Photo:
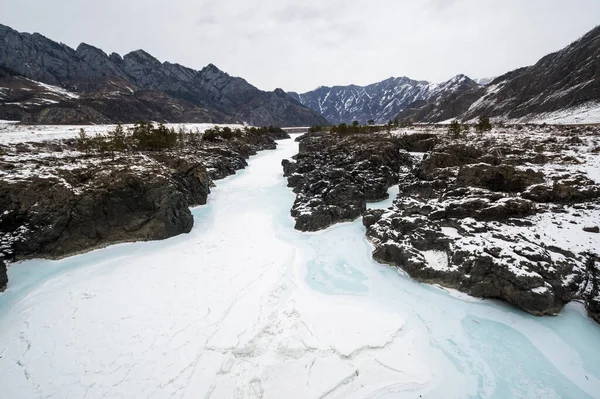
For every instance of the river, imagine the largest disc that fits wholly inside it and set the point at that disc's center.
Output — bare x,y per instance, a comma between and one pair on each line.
244,306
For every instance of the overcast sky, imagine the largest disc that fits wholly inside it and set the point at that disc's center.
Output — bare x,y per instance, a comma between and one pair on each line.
299,45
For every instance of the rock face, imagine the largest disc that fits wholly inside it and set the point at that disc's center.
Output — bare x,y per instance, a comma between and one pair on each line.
87,85
445,103
334,176
383,101
57,201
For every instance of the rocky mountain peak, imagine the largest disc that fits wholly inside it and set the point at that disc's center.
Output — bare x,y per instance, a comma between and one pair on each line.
141,57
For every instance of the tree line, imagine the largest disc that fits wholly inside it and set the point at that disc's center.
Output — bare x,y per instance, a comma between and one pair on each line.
145,136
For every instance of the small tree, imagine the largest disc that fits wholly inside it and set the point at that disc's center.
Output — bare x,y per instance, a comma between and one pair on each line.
83,142
483,124
117,138
454,129
371,122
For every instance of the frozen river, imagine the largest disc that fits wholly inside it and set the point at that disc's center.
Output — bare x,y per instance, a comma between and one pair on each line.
246,307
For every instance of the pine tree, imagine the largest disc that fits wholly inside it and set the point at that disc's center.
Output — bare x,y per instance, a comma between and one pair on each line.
483,125
454,129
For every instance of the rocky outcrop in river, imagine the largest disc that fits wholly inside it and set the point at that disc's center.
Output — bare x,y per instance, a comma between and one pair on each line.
334,176
57,201
508,215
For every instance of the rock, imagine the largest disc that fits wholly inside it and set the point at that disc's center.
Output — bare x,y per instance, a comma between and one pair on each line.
592,229
498,178
334,176
371,216
55,207
3,276
467,217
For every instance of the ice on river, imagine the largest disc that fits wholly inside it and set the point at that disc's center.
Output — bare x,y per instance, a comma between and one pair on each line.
246,307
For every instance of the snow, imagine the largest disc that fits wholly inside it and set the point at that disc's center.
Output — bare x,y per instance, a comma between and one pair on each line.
244,306
56,90
437,260
583,114
11,132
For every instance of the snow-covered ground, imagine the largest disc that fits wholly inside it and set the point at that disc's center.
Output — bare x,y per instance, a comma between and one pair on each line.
11,132
246,307
583,114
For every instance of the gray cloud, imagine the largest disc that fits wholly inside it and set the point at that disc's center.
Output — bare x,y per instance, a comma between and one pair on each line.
296,12
206,20
301,45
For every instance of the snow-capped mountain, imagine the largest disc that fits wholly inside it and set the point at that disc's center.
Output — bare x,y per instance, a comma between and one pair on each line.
484,81
380,102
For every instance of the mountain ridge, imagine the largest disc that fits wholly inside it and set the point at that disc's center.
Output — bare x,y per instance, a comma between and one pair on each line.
381,101
558,82
132,87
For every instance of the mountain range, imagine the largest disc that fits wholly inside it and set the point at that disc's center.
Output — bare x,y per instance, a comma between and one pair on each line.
381,101
42,81
563,80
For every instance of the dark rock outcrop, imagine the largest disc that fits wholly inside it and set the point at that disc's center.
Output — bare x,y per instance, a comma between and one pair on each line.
489,216
56,205
334,176
3,276
469,220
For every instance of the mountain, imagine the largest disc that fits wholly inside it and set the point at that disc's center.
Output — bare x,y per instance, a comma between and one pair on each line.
563,80
48,82
380,101
563,83
448,100
484,81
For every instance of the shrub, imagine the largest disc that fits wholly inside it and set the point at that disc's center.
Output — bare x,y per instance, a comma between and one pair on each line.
483,124
454,129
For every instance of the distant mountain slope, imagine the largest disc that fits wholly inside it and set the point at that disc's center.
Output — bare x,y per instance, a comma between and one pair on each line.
562,83
566,79
381,101
126,89
447,101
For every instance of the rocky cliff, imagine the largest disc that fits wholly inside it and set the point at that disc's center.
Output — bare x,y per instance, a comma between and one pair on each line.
86,84
57,201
